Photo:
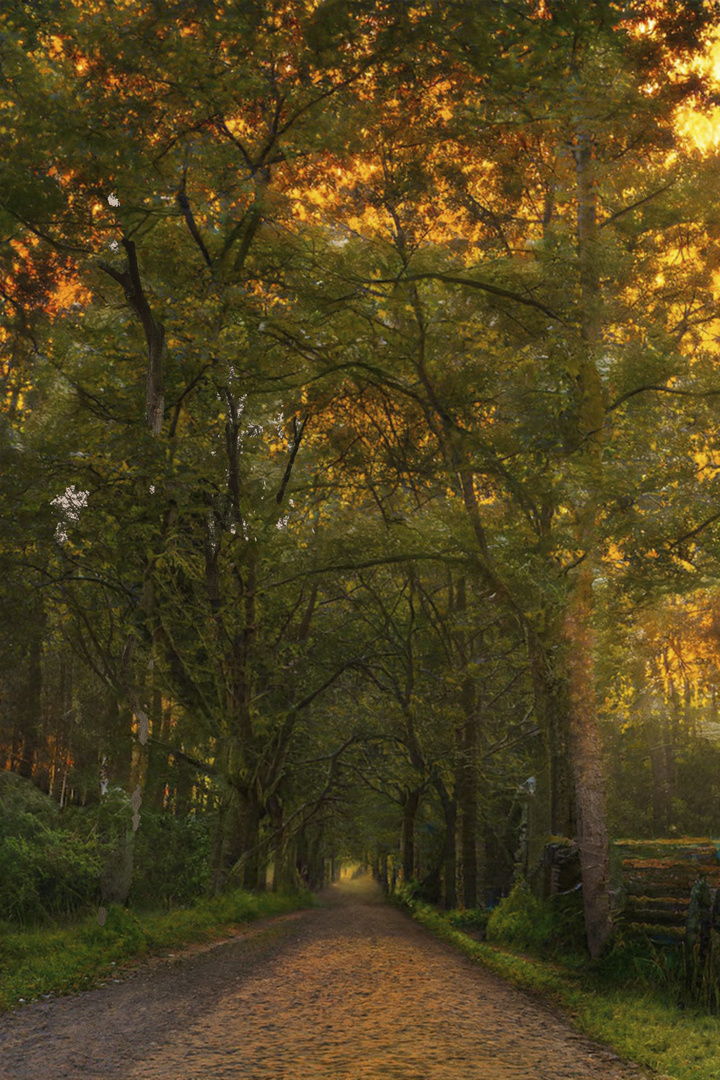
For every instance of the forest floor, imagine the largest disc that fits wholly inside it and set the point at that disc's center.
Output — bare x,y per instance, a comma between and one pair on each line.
352,990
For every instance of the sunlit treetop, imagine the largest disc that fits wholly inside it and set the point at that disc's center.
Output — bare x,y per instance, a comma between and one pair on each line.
674,656
313,115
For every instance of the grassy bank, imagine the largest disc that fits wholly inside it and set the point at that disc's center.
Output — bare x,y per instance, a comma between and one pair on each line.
61,960
646,1027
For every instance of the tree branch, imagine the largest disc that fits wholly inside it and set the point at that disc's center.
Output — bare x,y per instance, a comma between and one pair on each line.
660,389
184,204
695,531
129,279
633,206
473,283
130,690
297,437
201,766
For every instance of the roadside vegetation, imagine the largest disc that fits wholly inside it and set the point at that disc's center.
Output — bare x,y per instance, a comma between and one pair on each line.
43,961
58,868
633,1000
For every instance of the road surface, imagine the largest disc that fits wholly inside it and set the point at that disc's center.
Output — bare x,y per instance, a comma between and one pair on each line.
352,991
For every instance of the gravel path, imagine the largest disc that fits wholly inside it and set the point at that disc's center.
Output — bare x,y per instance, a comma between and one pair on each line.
354,990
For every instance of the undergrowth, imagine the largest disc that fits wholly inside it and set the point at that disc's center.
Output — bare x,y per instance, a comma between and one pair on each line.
44,962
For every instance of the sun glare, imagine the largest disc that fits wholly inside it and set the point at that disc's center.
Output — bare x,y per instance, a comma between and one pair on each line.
701,128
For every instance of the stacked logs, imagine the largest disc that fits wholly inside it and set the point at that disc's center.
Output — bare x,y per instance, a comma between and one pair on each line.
656,878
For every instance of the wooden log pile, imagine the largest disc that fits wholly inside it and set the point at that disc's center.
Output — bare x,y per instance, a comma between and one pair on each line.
654,879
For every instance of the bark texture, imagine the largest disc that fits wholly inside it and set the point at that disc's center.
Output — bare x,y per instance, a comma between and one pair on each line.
586,758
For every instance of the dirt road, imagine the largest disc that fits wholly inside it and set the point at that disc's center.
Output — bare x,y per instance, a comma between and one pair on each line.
354,990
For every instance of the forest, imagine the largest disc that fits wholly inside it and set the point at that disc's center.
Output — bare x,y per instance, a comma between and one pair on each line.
359,443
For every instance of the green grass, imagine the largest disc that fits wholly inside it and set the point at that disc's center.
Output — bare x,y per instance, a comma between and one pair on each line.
77,956
645,1027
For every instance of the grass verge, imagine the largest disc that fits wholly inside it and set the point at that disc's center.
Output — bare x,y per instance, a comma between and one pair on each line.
647,1028
43,962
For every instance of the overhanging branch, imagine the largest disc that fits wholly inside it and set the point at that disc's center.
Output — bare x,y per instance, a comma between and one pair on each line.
473,283
129,278
297,438
662,390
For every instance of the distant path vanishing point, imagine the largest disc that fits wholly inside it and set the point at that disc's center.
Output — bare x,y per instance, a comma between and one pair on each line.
353,990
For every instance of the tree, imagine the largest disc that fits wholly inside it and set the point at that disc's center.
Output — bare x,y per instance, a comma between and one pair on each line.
543,310
435,280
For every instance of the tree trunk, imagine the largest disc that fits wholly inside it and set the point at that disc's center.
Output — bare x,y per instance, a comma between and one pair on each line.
156,776
552,709
586,758
449,857
31,706
411,802
467,796
301,857
218,858
183,796
252,874
236,853
466,758
279,843
316,861
381,870
585,747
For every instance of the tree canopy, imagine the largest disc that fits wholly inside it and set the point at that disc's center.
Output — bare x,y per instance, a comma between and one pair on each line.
358,370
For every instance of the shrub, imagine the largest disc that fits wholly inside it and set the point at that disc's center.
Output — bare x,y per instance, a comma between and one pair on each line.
409,893
521,919
108,823
634,960
474,920
171,859
53,873
122,933
23,807
45,869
